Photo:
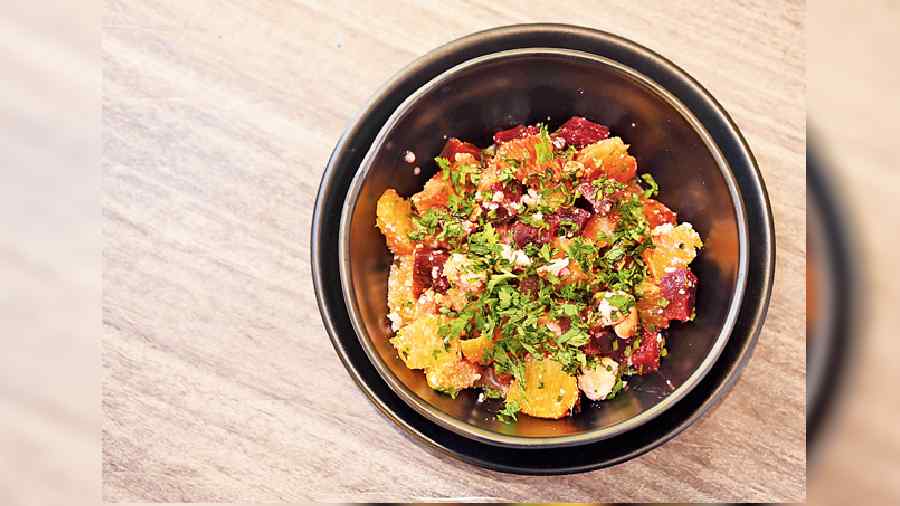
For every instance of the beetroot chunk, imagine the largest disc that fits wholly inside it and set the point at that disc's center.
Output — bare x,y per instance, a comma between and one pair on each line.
523,234
569,214
646,358
679,288
580,132
516,132
504,209
455,145
600,206
512,191
530,286
428,270
601,344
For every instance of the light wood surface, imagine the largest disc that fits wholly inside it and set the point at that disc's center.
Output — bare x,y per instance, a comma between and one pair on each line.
49,254
853,105
219,382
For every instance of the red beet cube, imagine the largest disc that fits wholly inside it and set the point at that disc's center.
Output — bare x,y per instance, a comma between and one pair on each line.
530,286
679,288
455,145
428,270
512,191
516,132
601,344
646,358
571,215
523,234
580,132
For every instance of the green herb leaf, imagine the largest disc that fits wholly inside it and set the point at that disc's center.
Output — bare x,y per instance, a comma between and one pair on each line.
492,393
510,412
654,188
544,147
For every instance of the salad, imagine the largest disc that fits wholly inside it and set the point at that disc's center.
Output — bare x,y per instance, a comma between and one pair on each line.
536,270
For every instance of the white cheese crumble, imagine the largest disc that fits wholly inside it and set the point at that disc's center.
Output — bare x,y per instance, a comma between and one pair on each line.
395,321
598,382
531,198
606,311
426,297
665,228
555,266
515,256
609,314
409,157
457,268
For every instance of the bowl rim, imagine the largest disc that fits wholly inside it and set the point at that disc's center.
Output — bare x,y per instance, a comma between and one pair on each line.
463,428
344,160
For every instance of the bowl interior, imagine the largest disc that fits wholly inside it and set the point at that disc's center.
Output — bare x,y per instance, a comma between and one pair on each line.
491,93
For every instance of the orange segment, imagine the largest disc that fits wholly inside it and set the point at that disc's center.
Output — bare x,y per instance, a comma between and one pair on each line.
648,305
474,349
673,247
549,391
450,374
393,216
608,158
401,303
419,344
435,194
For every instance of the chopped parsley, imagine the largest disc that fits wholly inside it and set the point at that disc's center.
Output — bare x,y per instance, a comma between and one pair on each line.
534,298
653,187
510,412
544,146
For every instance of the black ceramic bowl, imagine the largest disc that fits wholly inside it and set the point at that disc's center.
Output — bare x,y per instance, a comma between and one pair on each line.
361,134
832,295
497,91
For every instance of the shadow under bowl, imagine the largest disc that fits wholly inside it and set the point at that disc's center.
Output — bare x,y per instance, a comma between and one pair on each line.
499,90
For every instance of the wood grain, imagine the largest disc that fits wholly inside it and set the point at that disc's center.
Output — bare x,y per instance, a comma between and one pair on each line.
219,382
853,104
49,254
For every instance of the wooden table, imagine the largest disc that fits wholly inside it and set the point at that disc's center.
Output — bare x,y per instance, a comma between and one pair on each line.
219,382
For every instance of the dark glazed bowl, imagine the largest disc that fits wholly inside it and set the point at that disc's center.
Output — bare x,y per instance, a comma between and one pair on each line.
495,91
832,295
343,166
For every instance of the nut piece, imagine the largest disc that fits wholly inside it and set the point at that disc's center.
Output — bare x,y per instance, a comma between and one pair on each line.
626,327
